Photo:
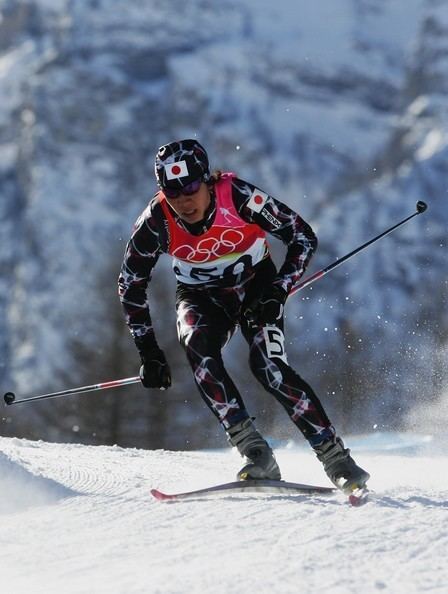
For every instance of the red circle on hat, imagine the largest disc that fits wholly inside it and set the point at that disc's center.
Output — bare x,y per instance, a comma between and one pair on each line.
175,169
258,199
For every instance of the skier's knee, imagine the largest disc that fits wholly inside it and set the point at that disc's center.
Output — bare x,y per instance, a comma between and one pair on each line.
190,338
262,369
196,342
270,372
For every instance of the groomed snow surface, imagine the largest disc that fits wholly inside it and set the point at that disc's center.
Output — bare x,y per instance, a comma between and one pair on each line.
80,519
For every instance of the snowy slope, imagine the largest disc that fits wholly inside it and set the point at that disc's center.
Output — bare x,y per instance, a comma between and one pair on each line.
79,519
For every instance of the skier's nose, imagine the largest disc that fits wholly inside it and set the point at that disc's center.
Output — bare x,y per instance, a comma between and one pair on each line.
184,200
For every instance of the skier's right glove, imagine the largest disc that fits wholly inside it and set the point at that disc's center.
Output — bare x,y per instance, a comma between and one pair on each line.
155,371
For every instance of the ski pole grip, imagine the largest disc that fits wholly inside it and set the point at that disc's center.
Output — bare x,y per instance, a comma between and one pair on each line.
421,206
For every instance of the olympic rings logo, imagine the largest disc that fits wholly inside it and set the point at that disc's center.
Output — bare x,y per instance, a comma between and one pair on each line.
210,248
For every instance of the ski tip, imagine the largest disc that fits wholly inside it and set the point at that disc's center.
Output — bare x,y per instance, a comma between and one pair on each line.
358,497
162,496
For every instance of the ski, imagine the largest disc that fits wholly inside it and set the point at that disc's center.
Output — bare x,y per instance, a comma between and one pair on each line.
251,486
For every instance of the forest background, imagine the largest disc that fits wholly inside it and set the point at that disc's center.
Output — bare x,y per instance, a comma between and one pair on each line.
337,109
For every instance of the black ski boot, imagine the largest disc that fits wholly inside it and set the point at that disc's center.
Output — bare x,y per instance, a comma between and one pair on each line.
261,463
340,466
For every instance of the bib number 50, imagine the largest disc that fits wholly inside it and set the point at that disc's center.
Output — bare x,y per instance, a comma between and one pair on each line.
216,273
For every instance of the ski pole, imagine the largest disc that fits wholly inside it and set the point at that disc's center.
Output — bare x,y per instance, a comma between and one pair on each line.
10,397
421,207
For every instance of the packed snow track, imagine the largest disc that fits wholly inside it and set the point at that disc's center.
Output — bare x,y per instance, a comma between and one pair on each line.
80,519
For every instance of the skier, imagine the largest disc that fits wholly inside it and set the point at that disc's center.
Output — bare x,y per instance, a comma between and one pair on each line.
214,227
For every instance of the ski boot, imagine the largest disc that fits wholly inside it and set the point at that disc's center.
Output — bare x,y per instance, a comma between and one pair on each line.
340,466
261,463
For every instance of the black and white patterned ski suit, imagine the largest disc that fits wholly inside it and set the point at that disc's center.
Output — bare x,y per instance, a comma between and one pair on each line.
208,313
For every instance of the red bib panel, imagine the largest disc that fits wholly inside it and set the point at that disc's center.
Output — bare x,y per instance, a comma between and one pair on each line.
228,248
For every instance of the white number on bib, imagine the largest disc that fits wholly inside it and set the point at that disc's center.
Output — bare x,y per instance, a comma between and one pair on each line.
275,342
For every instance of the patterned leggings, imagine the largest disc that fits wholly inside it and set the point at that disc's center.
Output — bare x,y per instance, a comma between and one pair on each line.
206,319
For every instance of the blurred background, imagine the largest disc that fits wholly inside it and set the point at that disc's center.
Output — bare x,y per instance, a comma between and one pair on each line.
338,109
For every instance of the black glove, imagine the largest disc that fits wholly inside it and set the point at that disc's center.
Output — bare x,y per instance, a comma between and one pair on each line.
268,307
155,371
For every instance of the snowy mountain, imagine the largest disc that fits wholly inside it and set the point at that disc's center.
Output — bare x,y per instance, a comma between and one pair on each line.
80,519
338,109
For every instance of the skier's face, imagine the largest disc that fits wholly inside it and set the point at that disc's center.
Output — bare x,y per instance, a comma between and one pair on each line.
191,208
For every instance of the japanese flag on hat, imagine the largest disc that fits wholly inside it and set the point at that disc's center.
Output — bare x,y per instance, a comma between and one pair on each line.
180,162
176,170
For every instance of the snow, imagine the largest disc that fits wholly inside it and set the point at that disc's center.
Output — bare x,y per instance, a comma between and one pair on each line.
80,519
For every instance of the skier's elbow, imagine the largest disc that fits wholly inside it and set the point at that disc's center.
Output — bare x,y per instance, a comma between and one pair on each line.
313,242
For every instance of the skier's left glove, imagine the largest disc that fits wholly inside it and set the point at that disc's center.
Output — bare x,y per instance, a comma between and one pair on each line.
155,371
267,308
